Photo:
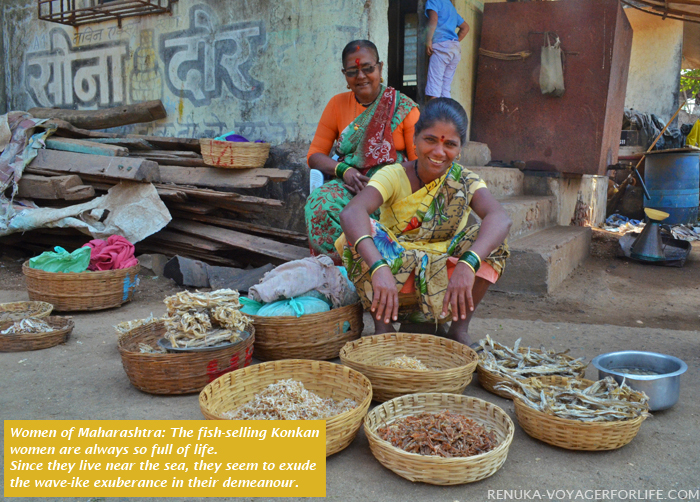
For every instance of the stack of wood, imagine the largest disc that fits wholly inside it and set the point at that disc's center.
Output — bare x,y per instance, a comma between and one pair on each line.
209,216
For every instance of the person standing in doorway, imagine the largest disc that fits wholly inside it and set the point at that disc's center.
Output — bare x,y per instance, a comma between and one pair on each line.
442,45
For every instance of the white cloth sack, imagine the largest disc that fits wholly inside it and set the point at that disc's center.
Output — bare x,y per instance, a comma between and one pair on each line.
551,69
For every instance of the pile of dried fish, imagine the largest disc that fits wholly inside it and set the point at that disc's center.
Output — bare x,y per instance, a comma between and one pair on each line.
27,326
144,348
406,363
443,434
604,401
289,400
514,364
124,327
204,319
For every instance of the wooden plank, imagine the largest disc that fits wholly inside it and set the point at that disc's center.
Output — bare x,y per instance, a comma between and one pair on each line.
186,241
168,143
122,168
212,177
84,146
230,197
259,245
147,111
128,143
52,188
237,224
188,209
167,153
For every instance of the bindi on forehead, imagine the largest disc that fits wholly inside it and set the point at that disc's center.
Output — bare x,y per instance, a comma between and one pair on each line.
442,139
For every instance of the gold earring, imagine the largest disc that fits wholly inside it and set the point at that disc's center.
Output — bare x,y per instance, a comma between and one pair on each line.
348,86
381,80
459,156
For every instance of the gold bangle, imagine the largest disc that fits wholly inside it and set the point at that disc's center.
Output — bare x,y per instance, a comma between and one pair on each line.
371,276
468,265
360,239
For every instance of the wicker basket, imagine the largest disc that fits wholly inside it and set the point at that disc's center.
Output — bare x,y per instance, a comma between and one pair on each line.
69,292
489,379
312,336
234,155
16,311
454,364
574,434
323,378
177,373
36,341
433,469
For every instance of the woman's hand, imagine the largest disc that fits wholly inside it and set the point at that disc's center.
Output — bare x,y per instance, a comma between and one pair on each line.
385,298
459,293
355,181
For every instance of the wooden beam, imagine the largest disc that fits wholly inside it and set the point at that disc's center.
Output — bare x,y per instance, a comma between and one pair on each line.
259,245
83,146
53,188
121,168
104,119
213,177
128,143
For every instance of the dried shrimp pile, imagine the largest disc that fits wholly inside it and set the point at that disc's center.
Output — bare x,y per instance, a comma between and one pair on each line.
289,400
27,326
603,401
443,434
513,364
204,319
407,363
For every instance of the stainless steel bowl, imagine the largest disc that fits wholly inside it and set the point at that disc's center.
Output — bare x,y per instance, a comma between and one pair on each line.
663,388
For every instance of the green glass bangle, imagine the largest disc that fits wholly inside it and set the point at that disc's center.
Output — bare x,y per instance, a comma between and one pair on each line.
376,265
371,275
468,265
340,169
472,259
360,239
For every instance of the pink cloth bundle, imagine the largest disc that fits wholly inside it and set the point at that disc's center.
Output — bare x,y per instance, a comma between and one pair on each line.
115,253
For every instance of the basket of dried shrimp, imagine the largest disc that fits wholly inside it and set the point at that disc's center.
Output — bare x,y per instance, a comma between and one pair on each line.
34,333
312,336
419,430
96,290
500,364
176,373
329,387
579,431
16,311
406,363
232,154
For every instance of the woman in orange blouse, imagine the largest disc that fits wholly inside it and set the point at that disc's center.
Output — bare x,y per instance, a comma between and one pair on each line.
371,126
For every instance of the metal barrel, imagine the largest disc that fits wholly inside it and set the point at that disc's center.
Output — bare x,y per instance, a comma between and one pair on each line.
673,180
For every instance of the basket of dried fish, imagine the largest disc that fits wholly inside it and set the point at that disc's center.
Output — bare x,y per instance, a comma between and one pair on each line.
336,393
152,369
500,364
406,363
579,414
94,290
312,336
16,311
34,334
440,439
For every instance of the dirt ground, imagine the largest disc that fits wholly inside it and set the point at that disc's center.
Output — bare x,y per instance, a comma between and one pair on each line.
607,304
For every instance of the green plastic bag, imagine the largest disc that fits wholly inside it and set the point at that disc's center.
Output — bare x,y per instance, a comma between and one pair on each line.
250,307
61,260
294,307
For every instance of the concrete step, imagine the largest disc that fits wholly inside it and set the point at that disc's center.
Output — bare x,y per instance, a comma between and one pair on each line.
540,261
529,213
502,181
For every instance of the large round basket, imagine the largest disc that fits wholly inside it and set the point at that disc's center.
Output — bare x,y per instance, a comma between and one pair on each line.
437,470
234,155
36,341
489,379
574,434
16,311
70,292
312,336
177,373
325,379
451,364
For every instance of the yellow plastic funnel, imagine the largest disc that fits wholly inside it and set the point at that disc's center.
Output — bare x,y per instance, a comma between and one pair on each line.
655,214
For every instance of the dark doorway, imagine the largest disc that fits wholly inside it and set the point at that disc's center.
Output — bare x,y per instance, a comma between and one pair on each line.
406,49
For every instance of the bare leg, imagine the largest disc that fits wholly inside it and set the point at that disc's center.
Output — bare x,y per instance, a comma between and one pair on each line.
459,330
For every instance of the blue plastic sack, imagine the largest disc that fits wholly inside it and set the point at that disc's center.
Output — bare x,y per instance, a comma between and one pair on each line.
250,307
60,260
294,307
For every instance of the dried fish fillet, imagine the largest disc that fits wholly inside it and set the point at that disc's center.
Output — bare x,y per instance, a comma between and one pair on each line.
289,400
407,363
126,326
27,326
443,434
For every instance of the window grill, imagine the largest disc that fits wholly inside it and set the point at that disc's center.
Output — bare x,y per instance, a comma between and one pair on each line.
79,12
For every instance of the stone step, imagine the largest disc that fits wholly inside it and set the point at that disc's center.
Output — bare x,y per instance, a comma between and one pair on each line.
540,261
501,181
529,213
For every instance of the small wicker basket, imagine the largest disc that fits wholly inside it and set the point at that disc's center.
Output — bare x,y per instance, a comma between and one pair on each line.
36,341
436,470
234,155
320,377
452,364
574,434
312,336
70,292
177,373
16,311
489,379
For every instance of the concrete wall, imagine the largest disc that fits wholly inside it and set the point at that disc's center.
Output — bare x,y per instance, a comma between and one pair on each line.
472,12
655,64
